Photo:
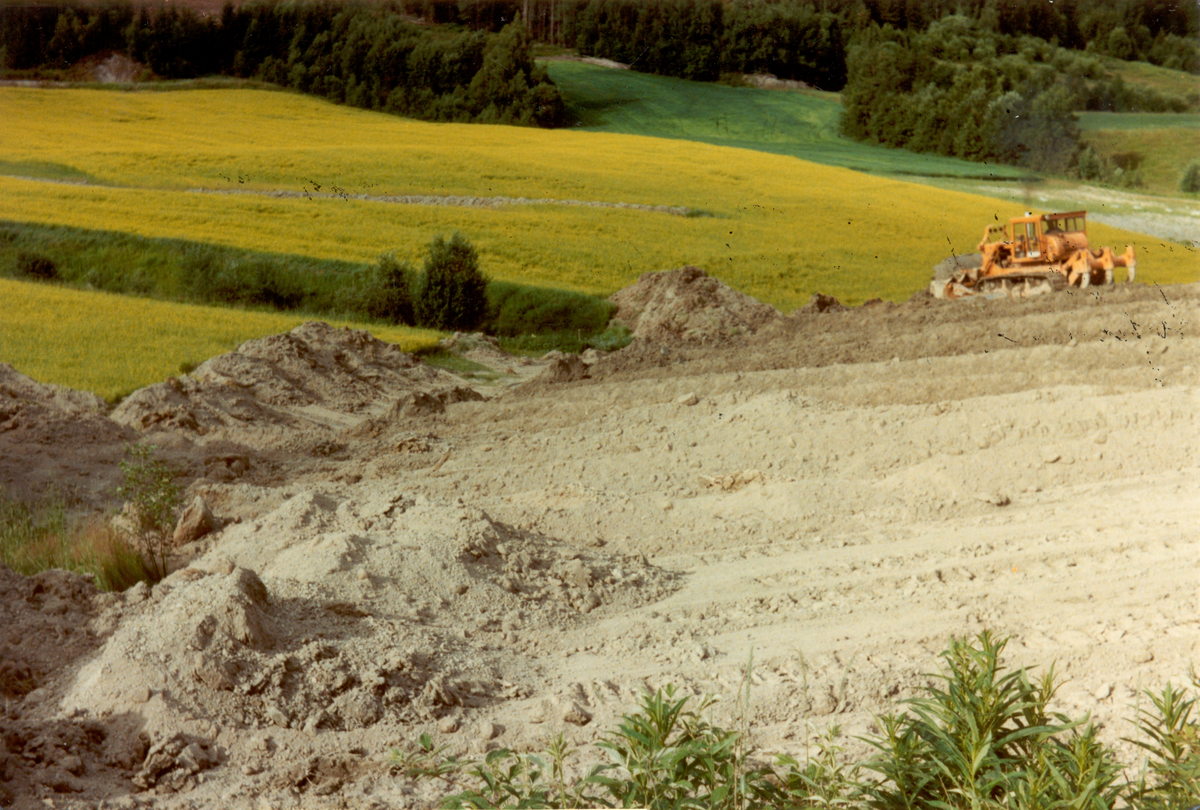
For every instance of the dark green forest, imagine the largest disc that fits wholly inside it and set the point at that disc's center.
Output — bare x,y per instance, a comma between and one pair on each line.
984,80
794,38
365,56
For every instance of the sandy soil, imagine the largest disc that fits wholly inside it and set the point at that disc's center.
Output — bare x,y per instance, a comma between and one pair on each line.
836,492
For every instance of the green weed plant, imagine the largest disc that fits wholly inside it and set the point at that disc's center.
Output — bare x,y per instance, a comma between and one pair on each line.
981,738
153,497
1170,736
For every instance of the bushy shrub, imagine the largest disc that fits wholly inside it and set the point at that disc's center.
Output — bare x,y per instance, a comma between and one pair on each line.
451,292
985,734
1170,735
1190,182
36,266
388,294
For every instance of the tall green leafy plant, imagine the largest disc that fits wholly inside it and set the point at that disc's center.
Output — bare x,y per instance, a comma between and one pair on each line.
1171,739
985,738
389,294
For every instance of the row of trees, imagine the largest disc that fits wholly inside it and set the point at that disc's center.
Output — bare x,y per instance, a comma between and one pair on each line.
361,55
697,37
959,89
365,56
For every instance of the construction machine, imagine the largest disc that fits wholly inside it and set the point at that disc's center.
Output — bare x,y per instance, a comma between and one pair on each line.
1033,254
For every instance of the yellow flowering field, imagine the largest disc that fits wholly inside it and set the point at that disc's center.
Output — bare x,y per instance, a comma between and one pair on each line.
773,226
115,344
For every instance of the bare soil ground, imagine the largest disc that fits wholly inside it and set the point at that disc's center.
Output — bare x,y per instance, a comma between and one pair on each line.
837,491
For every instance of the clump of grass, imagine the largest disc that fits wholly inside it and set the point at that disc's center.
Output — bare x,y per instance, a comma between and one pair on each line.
39,536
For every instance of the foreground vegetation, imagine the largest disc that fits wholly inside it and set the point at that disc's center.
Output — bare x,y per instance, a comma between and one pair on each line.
983,738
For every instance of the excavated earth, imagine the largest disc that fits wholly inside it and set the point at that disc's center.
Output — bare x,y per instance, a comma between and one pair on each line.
834,494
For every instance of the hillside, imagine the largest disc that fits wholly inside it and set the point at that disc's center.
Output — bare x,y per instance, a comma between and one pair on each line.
803,125
281,173
787,503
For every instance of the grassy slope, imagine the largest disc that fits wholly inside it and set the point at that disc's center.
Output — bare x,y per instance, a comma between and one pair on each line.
776,227
779,228
52,334
802,125
1166,142
1143,74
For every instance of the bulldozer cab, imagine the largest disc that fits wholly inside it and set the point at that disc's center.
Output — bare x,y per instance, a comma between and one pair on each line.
1031,234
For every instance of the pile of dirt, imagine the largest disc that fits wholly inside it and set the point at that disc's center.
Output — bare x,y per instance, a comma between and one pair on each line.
688,305
55,439
44,632
819,302
403,556
372,612
314,380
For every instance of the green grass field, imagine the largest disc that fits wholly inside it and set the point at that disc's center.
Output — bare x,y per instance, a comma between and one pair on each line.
1098,121
805,124
1143,74
796,124
1162,143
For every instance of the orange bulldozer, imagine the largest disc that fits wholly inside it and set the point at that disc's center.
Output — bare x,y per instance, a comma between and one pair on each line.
1033,254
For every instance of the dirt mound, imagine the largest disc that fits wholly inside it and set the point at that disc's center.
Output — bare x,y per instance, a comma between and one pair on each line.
313,379
556,368
378,609
688,305
822,303
44,631
52,438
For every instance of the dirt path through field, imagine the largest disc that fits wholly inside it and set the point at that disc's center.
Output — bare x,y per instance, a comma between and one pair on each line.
338,193
836,496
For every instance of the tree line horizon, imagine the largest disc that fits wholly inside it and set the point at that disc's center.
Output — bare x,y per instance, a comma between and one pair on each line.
982,80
